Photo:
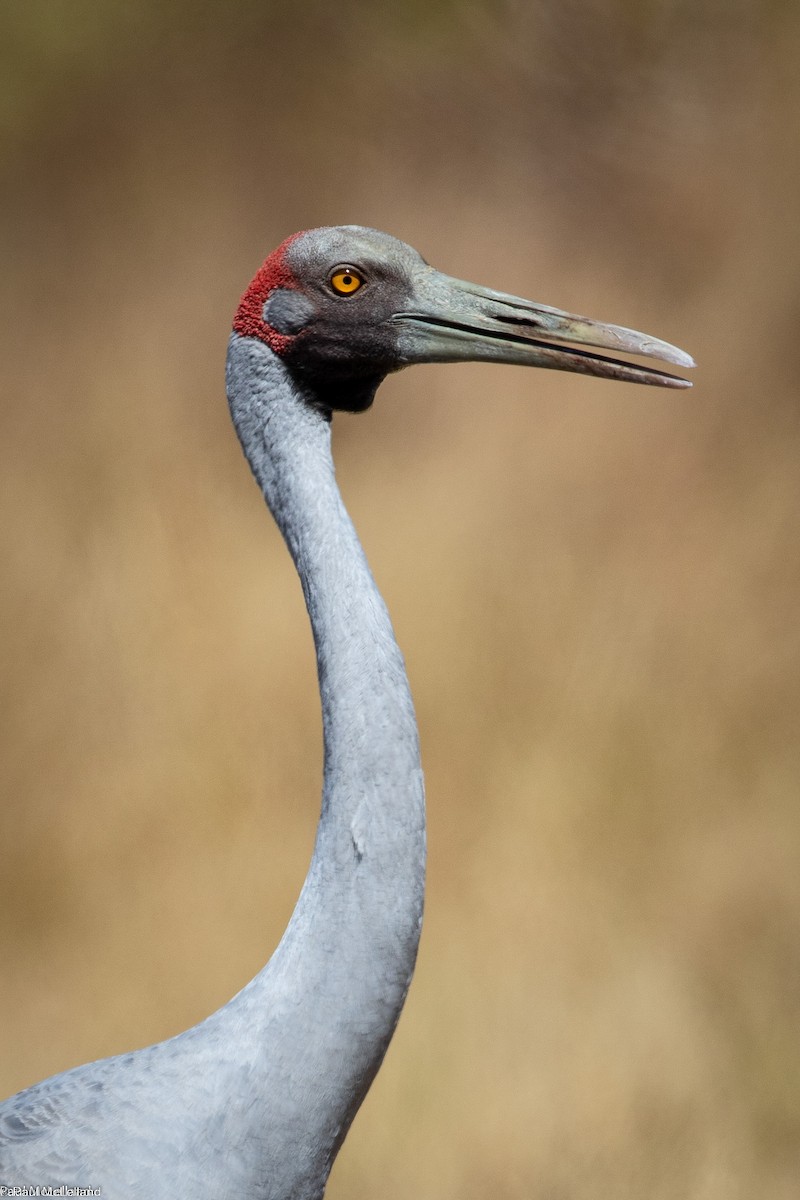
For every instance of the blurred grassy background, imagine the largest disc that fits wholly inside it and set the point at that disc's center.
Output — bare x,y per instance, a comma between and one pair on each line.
595,585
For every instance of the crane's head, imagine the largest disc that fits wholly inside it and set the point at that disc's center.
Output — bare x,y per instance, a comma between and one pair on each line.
343,306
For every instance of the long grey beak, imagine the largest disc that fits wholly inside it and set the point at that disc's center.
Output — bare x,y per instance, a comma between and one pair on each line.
448,320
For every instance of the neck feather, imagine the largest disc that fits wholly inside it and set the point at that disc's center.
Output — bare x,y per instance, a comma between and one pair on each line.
324,1008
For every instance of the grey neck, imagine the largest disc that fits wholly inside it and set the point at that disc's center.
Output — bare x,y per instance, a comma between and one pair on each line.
323,1010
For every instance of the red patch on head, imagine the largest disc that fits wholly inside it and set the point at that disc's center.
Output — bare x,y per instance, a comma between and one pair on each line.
273,273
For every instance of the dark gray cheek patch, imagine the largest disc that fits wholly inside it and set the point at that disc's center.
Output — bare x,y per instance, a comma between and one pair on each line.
287,311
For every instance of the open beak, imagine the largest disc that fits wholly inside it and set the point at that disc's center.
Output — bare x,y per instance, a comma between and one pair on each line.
448,320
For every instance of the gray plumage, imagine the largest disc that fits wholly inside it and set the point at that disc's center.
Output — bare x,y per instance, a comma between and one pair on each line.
255,1101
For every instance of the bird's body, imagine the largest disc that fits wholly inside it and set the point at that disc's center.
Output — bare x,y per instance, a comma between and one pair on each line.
265,1089
256,1100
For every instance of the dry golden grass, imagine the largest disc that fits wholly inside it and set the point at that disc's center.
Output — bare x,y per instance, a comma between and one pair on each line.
596,590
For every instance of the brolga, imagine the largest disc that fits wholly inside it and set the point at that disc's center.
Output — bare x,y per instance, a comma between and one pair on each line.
256,1100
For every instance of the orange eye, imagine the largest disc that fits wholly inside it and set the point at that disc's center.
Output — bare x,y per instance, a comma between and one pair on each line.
346,280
